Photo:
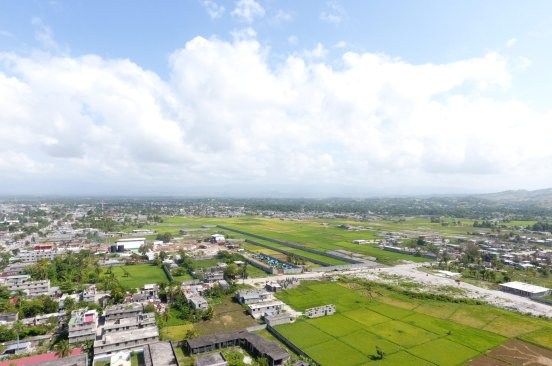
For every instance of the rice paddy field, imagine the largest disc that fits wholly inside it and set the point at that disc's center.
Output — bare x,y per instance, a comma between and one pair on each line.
408,331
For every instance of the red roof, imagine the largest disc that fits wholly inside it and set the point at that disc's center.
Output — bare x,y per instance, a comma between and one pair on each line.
89,318
34,360
43,246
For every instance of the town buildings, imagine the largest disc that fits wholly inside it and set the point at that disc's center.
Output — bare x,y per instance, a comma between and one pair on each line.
83,325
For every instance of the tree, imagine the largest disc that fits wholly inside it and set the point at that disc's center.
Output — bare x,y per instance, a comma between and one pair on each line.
62,348
231,271
17,327
163,255
166,237
145,248
191,333
380,353
243,271
471,253
166,315
149,308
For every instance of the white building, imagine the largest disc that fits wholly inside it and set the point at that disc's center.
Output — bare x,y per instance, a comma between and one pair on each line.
524,289
131,243
263,308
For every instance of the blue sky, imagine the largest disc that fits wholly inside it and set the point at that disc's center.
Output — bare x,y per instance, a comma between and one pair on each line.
312,63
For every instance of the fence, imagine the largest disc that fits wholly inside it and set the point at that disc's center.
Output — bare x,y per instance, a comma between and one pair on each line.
288,344
167,272
283,251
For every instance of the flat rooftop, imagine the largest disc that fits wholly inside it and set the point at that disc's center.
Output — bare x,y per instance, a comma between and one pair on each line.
262,305
521,286
162,354
128,335
116,309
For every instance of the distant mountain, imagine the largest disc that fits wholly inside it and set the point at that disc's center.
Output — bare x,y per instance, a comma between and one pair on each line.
540,197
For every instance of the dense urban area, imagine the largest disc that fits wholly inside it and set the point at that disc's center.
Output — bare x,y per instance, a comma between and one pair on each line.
161,281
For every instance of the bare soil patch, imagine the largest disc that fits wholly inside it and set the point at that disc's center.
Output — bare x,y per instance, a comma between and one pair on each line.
515,352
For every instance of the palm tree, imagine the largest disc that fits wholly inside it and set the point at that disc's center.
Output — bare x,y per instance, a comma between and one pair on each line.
166,314
17,328
170,293
244,273
62,348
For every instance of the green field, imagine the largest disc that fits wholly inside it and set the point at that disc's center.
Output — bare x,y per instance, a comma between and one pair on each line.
409,331
139,275
176,332
323,235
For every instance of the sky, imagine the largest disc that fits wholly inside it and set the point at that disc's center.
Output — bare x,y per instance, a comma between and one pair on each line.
274,98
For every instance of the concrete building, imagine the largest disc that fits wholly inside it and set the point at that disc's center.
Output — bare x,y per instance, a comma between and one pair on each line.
161,354
89,295
115,312
33,256
252,296
83,325
277,319
24,284
126,328
254,343
139,321
260,309
273,286
524,289
198,302
125,340
217,239
8,318
320,311
18,348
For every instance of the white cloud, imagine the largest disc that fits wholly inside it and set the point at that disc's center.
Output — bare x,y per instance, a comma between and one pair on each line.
293,40
282,16
228,116
6,34
244,34
341,44
523,62
334,13
45,36
214,9
248,10
318,52
511,42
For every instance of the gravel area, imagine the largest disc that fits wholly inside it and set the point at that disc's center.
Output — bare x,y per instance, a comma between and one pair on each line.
410,272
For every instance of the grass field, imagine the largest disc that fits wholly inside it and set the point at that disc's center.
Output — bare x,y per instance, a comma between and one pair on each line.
317,234
139,275
228,316
176,332
409,331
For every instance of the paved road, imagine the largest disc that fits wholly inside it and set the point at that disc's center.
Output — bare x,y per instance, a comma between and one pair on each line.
411,272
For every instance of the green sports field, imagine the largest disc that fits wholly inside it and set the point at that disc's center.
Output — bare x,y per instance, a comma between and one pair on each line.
139,275
409,331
